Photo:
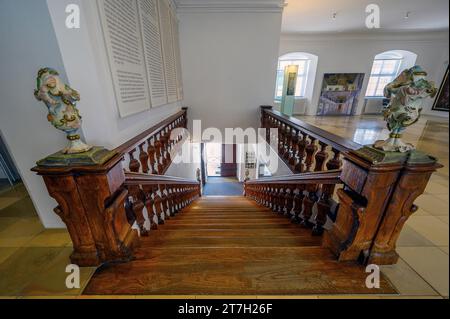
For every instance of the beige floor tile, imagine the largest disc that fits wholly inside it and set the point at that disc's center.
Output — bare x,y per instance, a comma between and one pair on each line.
444,249
432,204
443,218
22,208
50,238
52,281
410,237
431,228
421,212
20,233
7,201
24,265
406,280
5,252
435,188
431,263
443,197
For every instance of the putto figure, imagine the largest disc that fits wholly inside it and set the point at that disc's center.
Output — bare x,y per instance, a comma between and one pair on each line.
61,100
407,93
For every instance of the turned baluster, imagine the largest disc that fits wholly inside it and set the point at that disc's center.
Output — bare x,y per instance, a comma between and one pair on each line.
293,156
151,151
335,162
300,166
289,200
149,204
281,200
273,198
158,206
310,150
171,196
143,158
137,201
308,204
321,157
323,208
159,162
280,138
134,163
287,145
298,203
164,201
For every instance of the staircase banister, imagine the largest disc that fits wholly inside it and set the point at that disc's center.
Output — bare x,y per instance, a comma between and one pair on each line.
151,179
154,130
324,177
335,141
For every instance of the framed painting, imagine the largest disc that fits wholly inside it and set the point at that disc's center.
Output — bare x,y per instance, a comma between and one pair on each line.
441,101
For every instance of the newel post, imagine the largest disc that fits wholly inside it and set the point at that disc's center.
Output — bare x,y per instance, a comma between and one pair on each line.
91,204
377,199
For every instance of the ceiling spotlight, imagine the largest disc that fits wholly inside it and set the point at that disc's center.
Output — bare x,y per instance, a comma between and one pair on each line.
407,15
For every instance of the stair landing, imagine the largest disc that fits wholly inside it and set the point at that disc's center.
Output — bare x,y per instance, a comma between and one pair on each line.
231,246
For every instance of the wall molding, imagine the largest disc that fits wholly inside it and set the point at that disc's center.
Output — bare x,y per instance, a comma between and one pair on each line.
411,36
194,6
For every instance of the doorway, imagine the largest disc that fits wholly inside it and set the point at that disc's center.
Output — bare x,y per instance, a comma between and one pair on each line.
220,162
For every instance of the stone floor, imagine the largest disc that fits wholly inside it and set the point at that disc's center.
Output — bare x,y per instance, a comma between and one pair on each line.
33,260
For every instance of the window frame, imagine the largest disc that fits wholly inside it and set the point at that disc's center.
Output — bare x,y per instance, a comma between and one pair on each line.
381,75
303,75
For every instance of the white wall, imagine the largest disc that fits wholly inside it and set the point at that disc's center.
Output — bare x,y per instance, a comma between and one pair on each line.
229,64
354,53
85,59
28,43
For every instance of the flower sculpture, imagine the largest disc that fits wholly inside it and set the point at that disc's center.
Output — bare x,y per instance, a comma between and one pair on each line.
61,100
407,93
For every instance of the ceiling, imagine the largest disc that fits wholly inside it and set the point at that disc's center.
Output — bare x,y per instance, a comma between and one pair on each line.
316,16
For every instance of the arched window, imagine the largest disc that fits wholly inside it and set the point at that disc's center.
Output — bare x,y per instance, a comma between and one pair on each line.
386,66
303,60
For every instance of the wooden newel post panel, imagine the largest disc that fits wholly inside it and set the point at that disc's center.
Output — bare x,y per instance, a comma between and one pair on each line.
377,199
91,204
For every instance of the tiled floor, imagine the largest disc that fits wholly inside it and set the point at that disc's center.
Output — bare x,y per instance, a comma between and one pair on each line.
423,243
33,260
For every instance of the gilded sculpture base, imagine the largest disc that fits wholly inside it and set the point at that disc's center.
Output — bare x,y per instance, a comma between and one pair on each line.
95,156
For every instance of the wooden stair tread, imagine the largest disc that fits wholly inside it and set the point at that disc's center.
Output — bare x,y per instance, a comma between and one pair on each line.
231,246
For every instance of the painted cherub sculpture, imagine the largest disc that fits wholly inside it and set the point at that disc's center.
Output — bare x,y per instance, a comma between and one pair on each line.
61,100
407,93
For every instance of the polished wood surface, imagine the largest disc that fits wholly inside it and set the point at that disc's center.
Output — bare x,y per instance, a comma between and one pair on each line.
231,245
99,208
376,199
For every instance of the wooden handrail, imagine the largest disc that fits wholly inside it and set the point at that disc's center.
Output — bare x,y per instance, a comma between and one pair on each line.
150,179
154,130
337,142
325,177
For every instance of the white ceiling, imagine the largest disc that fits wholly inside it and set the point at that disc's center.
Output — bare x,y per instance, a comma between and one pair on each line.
307,16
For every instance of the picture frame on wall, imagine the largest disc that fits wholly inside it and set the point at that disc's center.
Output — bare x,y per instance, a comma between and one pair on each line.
441,100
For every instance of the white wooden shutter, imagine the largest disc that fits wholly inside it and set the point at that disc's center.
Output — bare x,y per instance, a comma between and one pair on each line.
176,47
151,36
120,22
168,51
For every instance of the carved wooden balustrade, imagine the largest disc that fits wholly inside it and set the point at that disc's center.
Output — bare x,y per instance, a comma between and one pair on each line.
101,201
377,197
162,197
298,196
150,152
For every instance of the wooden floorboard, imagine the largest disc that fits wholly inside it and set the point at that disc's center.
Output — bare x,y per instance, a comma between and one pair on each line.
231,246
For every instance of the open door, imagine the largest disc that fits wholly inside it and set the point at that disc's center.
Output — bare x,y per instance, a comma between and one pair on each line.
228,165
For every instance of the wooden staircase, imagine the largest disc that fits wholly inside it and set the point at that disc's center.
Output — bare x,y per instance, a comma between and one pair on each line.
231,246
